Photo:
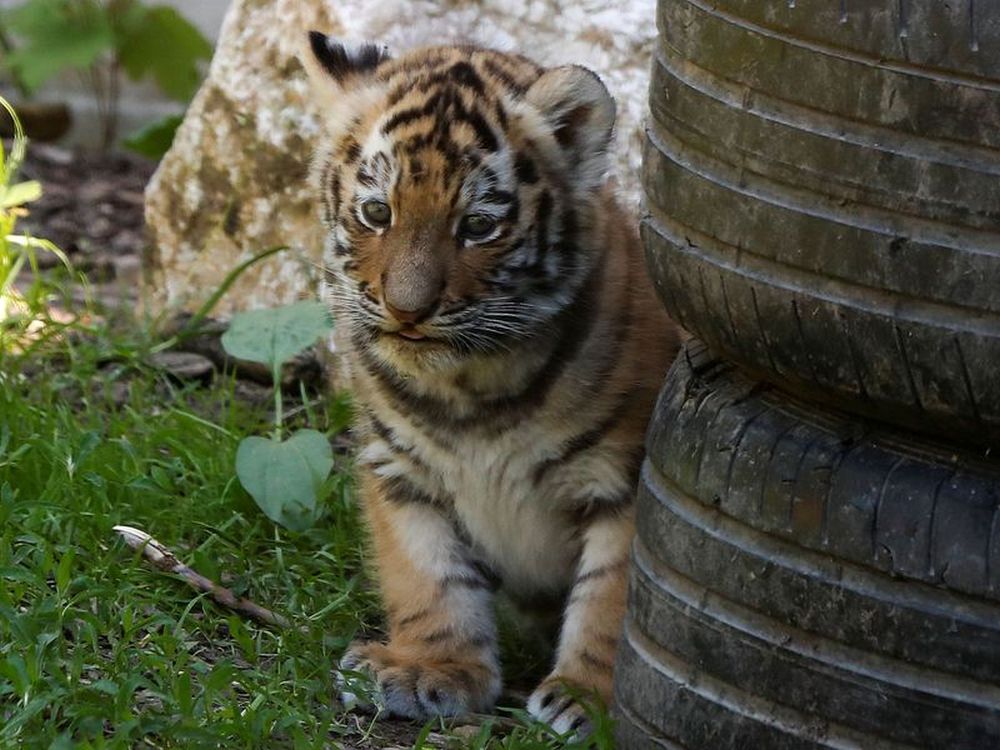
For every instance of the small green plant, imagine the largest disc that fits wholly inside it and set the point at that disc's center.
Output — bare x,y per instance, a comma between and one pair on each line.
18,311
101,39
284,477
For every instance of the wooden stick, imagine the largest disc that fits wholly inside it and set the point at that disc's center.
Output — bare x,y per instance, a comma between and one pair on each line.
165,560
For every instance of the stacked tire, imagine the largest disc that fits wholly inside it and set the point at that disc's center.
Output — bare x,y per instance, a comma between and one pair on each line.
818,552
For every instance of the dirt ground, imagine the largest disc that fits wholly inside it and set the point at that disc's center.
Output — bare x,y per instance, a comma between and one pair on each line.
91,208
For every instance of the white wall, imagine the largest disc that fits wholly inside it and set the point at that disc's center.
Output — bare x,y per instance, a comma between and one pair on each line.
140,103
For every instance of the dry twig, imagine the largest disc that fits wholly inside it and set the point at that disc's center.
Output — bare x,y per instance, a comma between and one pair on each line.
166,561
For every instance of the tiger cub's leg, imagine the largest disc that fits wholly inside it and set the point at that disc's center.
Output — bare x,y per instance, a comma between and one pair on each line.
441,656
592,624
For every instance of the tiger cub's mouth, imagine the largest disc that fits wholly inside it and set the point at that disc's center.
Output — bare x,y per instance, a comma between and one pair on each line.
411,334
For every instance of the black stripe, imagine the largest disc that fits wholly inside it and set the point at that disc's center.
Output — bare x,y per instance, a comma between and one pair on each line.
501,115
465,581
417,172
488,573
463,74
568,227
484,133
463,558
397,94
505,77
608,640
595,661
601,572
456,111
403,117
382,430
401,491
611,357
324,186
440,141
333,193
365,177
460,74
465,678
433,105
565,703
526,170
585,440
351,149
446,633
594,509
542,214
389,436
498,197
414,617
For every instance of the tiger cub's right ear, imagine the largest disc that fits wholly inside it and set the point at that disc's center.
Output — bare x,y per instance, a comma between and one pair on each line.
332,59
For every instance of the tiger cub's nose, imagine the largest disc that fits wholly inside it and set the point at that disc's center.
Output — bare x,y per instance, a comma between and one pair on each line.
410,316
412,287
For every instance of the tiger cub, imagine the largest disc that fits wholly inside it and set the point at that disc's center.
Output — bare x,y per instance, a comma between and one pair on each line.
505,347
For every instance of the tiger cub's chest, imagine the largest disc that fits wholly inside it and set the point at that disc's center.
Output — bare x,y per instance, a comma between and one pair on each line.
521,527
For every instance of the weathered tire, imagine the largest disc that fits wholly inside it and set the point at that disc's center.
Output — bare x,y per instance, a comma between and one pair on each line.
823,188
801,580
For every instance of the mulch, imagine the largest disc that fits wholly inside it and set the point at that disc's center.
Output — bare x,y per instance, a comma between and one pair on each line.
92,208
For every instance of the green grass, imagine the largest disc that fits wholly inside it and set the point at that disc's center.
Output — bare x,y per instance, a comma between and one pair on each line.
97,650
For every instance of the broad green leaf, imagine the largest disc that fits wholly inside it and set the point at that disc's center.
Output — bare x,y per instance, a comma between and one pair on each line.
284,478
275,335
18,195
155,139
56,35
163,44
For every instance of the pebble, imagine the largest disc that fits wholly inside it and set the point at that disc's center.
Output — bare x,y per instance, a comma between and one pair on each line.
183,365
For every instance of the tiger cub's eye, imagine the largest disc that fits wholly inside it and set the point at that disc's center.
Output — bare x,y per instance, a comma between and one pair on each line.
376,213
476,226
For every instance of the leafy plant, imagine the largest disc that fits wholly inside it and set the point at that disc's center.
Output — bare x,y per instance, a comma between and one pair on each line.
156,138
18,311
101,39
284,477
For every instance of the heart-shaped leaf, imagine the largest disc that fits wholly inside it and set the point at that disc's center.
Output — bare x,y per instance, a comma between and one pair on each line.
284,478
276,334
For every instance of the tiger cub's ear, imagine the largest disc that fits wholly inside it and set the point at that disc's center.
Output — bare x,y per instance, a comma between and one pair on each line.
331,59
579,109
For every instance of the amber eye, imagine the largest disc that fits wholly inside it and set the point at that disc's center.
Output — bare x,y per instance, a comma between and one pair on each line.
376,213
476,226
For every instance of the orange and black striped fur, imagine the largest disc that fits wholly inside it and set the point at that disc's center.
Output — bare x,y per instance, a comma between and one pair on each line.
505,346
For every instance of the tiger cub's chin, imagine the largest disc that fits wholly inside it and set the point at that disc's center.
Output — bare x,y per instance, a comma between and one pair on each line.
505,347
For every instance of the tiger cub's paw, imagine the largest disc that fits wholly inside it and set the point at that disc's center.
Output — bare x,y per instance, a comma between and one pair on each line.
406,685
557,702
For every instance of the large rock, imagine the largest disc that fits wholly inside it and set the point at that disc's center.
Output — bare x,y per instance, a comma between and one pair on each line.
234,182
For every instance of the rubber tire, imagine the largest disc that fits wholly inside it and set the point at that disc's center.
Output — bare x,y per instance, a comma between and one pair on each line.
800,580
824,199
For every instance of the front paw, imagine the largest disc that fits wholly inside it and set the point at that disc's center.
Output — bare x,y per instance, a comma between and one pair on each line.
374,675
563,706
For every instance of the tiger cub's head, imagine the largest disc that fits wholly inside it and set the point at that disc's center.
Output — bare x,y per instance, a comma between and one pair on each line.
459,186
